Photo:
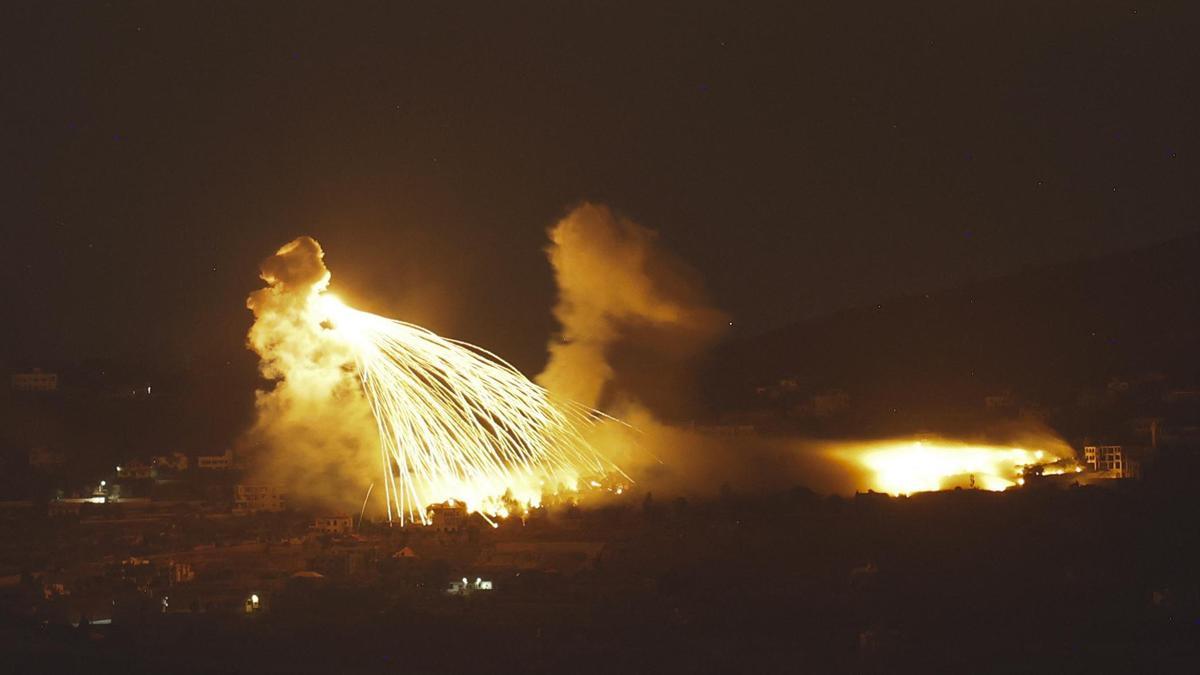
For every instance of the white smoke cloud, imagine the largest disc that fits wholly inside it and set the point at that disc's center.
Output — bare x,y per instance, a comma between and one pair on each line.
314,434
612,281
617,292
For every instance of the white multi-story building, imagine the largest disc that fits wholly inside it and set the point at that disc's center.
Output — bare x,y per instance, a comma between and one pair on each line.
1110,459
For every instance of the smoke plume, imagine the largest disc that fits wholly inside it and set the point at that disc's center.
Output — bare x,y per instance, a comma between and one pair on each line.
617,290
632,318
314,435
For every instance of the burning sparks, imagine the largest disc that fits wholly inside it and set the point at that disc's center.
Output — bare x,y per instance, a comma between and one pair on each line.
451,421
456,421
908,466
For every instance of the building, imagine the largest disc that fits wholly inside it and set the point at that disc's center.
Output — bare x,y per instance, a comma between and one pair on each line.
466,587
339,524
450,516
220,462
181,572
1115,460
176,461
256,498
36,380
135,469
253,604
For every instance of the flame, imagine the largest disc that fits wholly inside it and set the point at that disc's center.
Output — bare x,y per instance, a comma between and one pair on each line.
456,421
901,467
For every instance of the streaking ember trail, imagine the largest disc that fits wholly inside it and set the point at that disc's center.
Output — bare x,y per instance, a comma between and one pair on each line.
457,422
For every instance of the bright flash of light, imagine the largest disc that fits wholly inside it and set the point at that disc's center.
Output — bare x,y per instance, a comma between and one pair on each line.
902,467
457,422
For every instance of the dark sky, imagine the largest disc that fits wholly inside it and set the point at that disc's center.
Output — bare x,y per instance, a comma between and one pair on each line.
803,156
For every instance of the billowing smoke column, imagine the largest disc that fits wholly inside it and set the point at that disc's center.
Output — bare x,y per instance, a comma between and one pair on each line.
613,282
314,431
619,292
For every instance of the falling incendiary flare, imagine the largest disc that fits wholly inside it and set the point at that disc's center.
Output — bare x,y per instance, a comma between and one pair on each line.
457,422
901,467
453,421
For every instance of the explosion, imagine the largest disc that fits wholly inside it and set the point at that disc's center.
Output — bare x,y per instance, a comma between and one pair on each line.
356,394
901,467
453,421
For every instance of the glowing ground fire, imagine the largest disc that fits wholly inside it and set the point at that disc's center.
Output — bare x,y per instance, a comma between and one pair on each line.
457,422
444,421
906,466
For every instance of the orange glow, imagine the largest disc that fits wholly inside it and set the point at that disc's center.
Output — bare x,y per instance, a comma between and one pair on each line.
440,419
457,422
901,467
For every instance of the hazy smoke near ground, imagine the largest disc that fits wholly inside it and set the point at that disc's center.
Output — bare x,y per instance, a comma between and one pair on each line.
314,435
631,317
695,462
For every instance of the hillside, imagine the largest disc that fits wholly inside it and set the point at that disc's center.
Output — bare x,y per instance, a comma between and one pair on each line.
1049,337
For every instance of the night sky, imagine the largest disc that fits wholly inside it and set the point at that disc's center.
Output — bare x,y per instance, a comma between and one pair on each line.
803,157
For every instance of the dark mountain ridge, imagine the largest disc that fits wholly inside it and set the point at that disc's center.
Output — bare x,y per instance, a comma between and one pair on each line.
1046,336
